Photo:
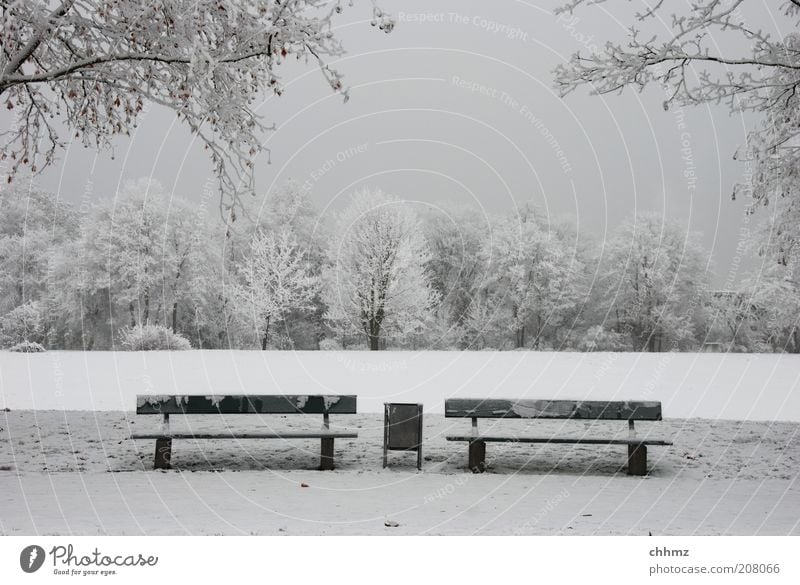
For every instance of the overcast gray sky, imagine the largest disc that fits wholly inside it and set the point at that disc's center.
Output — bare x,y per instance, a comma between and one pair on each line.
457,105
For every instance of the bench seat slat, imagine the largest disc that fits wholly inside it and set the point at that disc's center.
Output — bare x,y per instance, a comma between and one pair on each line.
246,404
559,409
287,435
557,440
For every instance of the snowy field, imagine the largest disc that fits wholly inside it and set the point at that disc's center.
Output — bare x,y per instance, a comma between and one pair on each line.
69,467
716,386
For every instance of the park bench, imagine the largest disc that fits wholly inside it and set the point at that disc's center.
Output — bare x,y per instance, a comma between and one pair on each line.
245,404
555,409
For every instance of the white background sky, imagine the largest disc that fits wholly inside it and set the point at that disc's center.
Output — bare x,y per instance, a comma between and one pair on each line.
423,137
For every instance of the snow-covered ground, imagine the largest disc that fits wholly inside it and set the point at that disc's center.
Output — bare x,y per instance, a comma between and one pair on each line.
78,471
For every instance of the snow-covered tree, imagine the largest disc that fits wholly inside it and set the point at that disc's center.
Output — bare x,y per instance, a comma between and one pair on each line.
654,281
34,229
377,283
124,245
774,315
598,338
140,258
275,280
534,282
94,64
287,206
192,274
710,53
455,235
21,324
32,225
771,293
728,320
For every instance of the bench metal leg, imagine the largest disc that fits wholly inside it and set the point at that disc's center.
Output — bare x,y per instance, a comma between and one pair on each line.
637,459
163,454
477,456
326,454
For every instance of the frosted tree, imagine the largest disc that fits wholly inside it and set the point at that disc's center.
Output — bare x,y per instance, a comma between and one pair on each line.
34,228
455,236
33,224
772,292
287,206
275,279
95,64
773,316
377,283
140,257
729,319
190,263
654,280
534,283
84,310
123,249
23,323
695,62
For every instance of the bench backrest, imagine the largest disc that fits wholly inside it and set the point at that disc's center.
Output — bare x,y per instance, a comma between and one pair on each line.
578,409
246,404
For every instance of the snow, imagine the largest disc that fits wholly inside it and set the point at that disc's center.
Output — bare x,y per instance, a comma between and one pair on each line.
80,473
714,386
246,503
330,401
69,466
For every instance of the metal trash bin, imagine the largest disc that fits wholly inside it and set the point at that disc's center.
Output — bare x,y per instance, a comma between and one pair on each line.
402,429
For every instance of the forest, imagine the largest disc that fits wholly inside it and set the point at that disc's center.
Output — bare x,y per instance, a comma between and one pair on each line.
147,270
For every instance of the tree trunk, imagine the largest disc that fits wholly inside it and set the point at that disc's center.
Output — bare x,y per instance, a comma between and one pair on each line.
146,316
374,334
519,333
520,337
133,314
540,332
175,304
374,342
265,339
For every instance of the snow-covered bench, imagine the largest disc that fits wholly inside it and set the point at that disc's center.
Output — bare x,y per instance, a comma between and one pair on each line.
246,404
555,409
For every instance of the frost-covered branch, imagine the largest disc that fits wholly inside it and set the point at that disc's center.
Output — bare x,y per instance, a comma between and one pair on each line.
94,64
763,77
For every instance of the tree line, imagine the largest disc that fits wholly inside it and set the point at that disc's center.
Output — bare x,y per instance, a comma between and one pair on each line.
147,270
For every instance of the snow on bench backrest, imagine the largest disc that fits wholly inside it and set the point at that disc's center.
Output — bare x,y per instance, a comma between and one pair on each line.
578,409
244,404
